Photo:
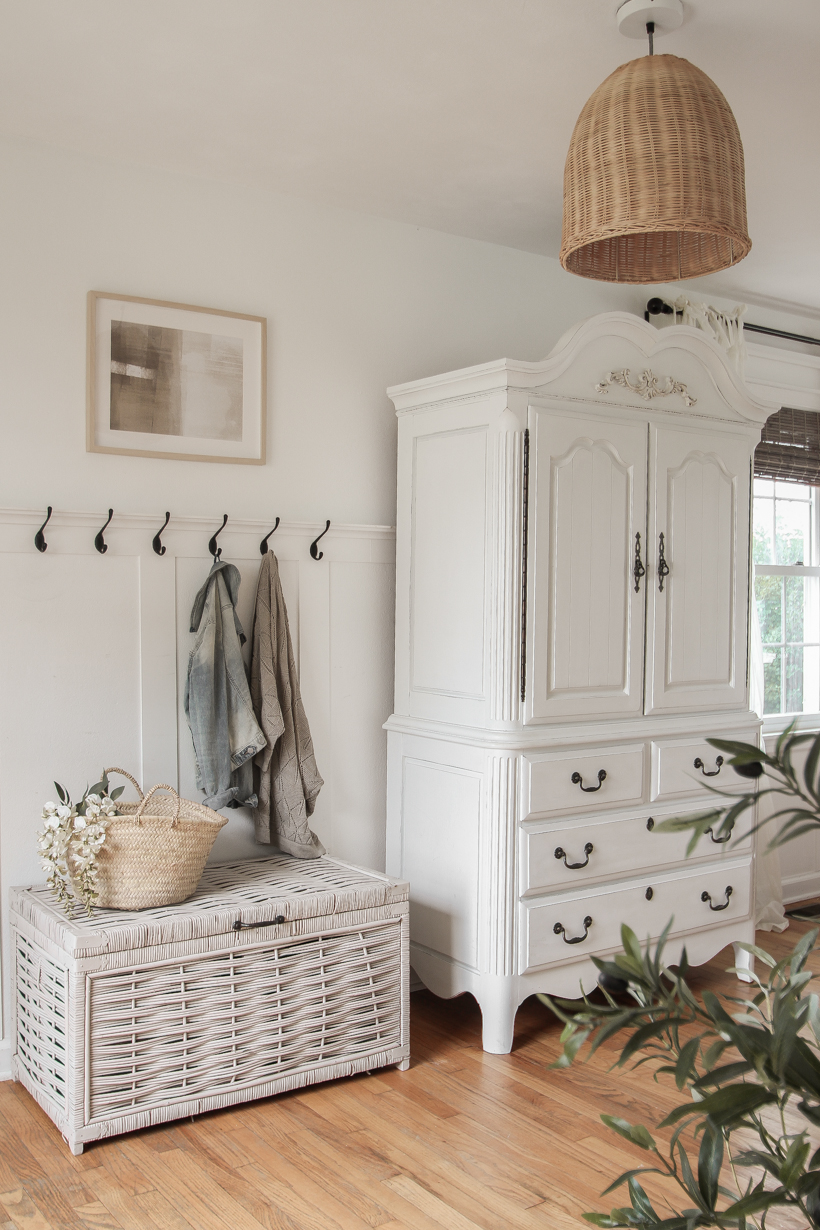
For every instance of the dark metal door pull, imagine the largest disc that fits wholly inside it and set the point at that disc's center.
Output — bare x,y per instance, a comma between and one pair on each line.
705,897
719,841
638,569
698,764
577,780
576,939
663,567
588,848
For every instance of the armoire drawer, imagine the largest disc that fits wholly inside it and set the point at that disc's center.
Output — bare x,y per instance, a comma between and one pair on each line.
560,858
589,922
581,780
681,768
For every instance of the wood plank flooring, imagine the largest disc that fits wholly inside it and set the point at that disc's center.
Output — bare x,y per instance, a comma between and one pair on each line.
461,1141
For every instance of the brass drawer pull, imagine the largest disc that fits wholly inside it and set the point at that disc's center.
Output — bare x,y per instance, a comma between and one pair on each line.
560,853
705,897
576,939
577,780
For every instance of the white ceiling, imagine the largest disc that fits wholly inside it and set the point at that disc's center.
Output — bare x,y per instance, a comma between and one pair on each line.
452,114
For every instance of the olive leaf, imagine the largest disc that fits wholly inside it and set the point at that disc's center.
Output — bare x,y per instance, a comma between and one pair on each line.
686,1037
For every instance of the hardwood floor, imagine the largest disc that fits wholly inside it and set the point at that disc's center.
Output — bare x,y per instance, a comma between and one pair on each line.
461,1141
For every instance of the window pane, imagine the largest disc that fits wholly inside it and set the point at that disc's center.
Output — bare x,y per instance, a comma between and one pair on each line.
771,681
793,540
768,593
792,491
763,548
811,679
793,679
794,595
764,486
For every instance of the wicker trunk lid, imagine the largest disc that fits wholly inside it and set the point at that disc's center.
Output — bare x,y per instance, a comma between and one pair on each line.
252,892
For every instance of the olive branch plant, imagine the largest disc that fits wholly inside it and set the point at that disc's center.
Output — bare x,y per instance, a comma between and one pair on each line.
746,1063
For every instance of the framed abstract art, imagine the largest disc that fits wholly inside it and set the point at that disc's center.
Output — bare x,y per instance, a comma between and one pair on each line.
174,381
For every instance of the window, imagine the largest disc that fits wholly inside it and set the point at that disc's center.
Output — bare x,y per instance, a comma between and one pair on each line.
787,591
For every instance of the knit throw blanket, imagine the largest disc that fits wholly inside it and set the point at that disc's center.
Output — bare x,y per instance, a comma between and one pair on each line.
286,778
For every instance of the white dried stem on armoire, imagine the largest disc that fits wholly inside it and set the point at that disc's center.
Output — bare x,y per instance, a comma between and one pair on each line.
572,625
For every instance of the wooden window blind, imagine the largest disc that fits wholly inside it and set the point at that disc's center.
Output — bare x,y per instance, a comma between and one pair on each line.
789,448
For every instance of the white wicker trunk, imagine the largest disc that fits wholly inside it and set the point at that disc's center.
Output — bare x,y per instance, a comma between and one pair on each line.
277,973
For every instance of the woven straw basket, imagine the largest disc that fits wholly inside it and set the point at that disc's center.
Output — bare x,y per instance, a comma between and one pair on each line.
155,850
654,187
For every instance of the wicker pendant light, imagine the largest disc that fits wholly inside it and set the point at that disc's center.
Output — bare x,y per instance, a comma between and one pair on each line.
654,182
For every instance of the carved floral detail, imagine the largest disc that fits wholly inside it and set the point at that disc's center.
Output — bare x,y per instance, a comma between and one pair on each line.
647,386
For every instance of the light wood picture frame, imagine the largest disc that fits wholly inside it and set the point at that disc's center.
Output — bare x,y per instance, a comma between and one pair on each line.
175,381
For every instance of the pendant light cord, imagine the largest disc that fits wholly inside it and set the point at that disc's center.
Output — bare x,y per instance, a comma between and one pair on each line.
650,30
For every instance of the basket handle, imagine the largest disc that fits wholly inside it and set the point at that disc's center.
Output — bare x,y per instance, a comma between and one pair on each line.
131,779
153,790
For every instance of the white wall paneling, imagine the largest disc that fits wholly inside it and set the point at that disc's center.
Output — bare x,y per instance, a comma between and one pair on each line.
799,859
94,653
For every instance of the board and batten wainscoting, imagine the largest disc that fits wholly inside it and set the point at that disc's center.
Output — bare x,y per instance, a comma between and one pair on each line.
799,859
94,653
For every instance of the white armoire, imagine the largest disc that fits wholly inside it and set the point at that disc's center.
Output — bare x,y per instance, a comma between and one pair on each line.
571,626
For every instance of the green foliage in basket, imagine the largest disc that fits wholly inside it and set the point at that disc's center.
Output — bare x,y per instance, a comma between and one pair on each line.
744,1062
70,841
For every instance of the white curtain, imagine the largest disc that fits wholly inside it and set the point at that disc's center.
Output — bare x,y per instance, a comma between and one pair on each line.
770,914
725,327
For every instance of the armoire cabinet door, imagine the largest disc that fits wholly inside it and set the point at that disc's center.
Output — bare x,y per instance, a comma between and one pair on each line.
587,502
697,625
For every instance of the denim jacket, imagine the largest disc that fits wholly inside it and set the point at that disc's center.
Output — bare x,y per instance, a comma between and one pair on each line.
217,697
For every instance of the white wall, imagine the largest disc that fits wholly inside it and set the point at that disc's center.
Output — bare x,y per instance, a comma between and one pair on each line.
353,304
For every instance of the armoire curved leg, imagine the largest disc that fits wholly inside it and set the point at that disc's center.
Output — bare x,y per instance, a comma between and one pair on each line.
498,1009
744,963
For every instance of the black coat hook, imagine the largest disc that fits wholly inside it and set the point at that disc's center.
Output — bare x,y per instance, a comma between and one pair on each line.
39,541
314,551
157,540
263,546
215,551
99,541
